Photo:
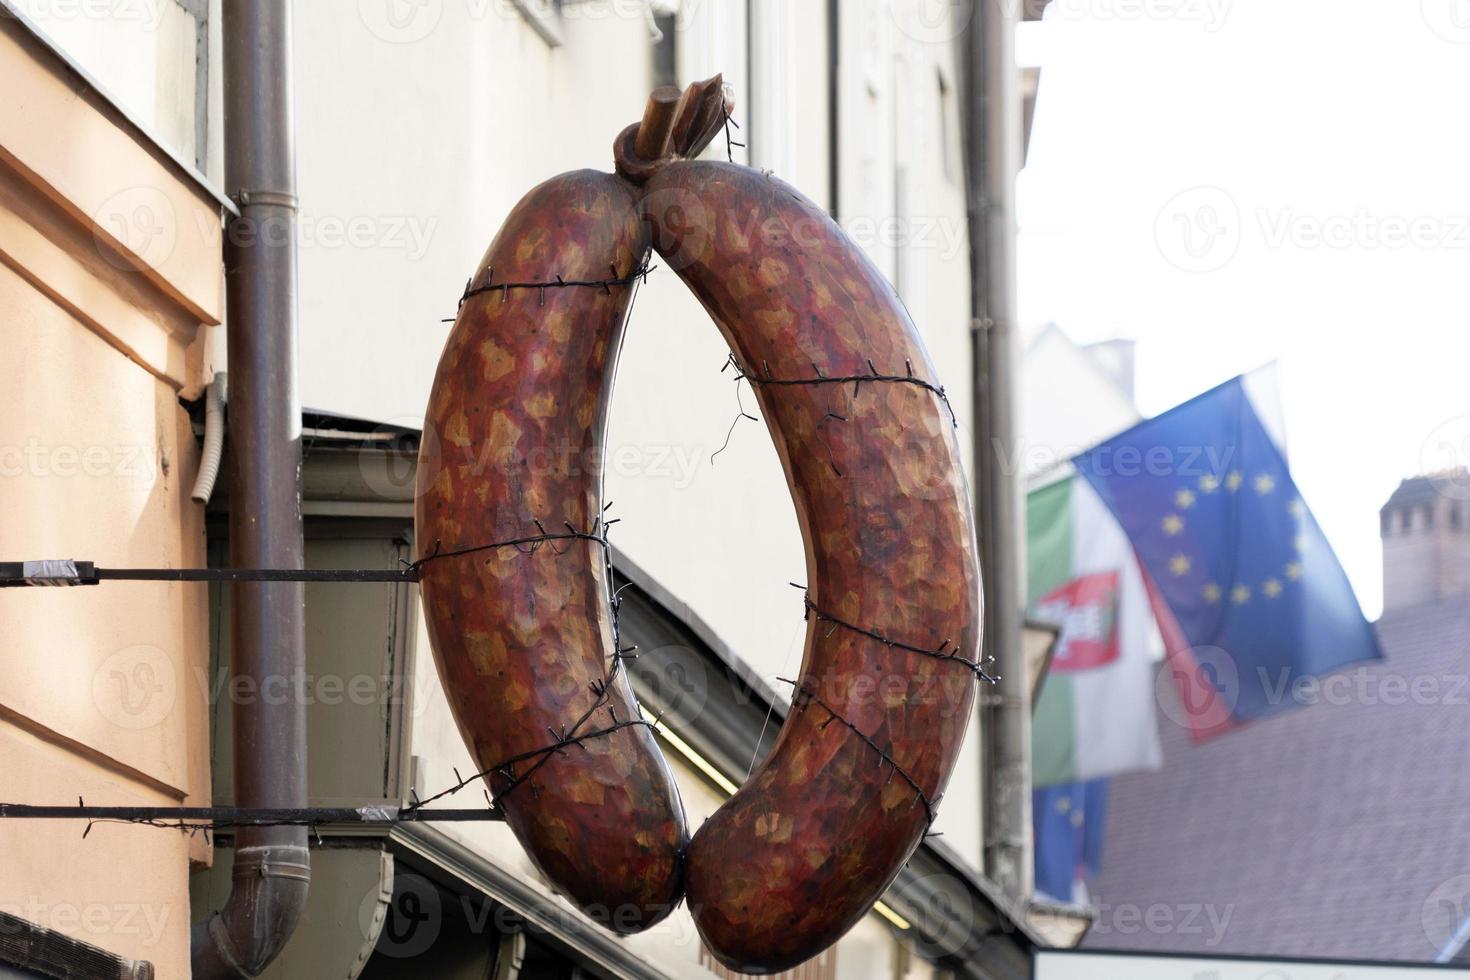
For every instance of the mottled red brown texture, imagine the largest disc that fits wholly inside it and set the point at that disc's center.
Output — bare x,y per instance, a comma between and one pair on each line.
817,833
514,435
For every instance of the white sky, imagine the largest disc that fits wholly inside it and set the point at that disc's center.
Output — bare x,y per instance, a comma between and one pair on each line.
1317,154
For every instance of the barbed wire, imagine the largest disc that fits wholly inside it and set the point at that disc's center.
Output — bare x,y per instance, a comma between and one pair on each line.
937,653
743,373
638,275
730,144
857,380
803,696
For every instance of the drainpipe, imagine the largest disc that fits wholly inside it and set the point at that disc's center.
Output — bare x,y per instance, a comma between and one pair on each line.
992,126
272,865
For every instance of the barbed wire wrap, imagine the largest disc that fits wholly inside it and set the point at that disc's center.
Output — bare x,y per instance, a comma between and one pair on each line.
639,274
803,696
744,373
730,144
938,653
526,544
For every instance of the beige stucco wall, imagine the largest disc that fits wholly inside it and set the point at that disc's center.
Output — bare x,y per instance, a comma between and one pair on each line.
100,334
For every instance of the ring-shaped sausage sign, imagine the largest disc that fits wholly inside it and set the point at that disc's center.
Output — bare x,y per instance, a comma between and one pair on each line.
515,575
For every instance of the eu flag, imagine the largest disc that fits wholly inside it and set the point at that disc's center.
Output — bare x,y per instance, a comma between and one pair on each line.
1069,823
1257,599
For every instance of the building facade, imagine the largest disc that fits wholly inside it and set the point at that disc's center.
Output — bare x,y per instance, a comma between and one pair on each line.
418,126
110,281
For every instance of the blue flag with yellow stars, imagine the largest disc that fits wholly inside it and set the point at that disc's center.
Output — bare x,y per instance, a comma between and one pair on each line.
1249,596
1068,822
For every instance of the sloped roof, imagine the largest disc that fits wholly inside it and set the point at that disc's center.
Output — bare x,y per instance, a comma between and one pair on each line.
1334,830
1421,489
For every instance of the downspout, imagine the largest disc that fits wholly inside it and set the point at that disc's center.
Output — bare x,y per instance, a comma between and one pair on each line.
992,127
272,865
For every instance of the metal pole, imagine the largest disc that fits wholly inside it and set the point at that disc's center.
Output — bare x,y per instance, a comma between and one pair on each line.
993,138
272,865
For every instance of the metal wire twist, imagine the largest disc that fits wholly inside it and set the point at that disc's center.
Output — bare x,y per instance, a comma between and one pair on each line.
803,696
942,652
743,373
639,274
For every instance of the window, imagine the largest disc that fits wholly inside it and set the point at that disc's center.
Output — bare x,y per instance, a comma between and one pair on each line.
948,145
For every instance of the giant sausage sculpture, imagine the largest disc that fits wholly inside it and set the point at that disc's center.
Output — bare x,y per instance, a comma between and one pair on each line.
522,631
513,569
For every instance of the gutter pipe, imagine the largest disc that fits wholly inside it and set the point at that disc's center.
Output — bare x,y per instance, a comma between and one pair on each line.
992,126
272,865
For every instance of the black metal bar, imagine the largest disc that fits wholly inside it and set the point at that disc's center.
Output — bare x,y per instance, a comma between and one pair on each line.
257,574
385,815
